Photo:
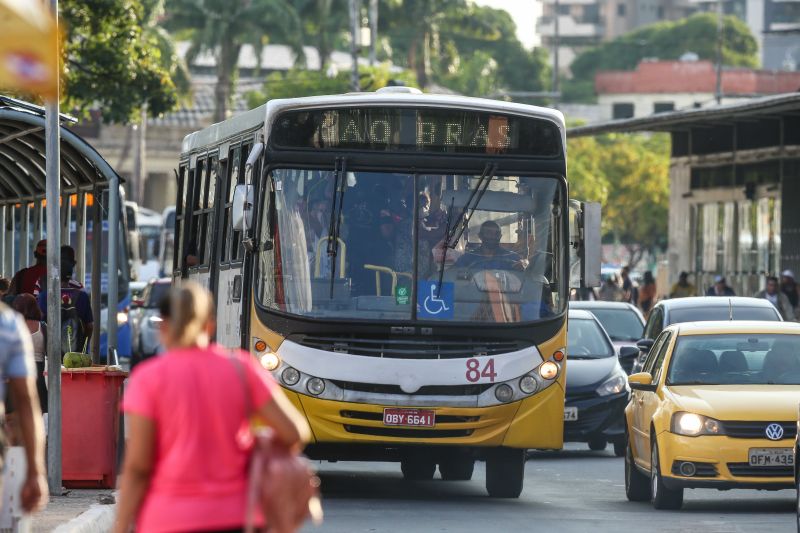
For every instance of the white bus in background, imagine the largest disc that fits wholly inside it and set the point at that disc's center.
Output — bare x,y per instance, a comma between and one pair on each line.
145,241
167,240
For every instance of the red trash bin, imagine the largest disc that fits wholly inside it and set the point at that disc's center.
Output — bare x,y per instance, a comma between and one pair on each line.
90,419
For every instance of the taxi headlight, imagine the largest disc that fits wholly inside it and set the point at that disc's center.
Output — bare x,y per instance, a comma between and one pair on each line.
693,425
613,385
548,370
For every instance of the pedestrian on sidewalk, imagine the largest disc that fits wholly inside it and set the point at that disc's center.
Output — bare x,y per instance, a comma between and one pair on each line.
647,294
189,443
777,298
17,367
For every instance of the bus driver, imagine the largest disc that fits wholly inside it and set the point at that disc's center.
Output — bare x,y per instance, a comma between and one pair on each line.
490,255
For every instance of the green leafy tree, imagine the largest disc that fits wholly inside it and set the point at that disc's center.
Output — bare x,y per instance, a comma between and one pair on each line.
325,23
629,175
664,40
301,82
112,63
222,27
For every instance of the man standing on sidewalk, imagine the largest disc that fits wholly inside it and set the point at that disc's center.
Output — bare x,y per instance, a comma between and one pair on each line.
777,298
18,367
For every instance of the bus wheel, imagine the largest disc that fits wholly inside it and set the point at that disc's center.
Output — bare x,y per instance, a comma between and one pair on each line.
505,472
417,469
457,468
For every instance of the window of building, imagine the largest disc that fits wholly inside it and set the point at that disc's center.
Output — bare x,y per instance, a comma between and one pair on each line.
663,107
622,110
621,8
563,9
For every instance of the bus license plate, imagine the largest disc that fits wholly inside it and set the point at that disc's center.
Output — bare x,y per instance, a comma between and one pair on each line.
423,418
570,414
771,457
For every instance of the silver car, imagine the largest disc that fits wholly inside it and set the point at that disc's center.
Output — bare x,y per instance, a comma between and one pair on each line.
623,322
145,319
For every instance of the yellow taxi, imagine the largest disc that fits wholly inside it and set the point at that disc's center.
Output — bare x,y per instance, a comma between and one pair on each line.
714,407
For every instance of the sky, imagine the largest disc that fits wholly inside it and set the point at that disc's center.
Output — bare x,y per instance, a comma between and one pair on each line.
524,13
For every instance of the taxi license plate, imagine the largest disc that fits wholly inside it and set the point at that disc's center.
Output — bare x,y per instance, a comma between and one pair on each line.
570,414
424,418
771,456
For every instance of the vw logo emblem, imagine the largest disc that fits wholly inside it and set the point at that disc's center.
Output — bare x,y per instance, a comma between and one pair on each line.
774,431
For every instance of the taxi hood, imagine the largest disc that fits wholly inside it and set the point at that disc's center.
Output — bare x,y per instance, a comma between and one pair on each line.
768,403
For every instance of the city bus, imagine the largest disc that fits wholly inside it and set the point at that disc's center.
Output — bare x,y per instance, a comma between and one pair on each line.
400,263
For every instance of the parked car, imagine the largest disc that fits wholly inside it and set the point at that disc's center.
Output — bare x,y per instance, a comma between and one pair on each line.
597,389
700,309
145,320
623,322
715,407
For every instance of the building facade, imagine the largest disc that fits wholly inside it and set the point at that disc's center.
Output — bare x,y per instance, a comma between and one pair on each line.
663,86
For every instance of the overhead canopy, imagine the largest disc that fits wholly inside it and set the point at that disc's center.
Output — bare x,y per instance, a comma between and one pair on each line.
22,156
778,106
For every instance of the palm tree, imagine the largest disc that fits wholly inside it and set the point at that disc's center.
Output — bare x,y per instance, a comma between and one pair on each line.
324,22
222,27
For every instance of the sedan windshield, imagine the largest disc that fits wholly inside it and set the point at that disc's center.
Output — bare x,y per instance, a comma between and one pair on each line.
736,359
586,340
621,324
372,245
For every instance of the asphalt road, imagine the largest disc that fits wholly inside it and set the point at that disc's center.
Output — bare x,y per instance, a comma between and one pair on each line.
574,490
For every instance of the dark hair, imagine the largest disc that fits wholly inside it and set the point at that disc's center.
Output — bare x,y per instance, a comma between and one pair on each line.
772,278
648,277
5,284
25,304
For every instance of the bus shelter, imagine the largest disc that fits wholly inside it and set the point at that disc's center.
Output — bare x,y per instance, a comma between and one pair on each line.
89,207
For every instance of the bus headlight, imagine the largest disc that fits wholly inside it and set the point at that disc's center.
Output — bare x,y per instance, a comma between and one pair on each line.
315,386
527,384
548,370
290,376
270,361
122,318
504,393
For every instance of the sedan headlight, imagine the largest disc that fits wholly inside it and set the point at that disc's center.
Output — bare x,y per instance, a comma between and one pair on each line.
692,425
613,385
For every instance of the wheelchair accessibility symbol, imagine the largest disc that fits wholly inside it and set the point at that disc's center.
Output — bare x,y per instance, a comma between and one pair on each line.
433,303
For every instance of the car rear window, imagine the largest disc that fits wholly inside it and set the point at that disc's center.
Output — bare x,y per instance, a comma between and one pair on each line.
620,324
704,314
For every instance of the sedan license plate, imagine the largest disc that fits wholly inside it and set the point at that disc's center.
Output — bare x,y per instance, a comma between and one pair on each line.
771,456
570,414
424,418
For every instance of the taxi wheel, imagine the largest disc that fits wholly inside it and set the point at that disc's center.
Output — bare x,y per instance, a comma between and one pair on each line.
661,496
505,472
417,469
457,469
597,445
619,448
637,485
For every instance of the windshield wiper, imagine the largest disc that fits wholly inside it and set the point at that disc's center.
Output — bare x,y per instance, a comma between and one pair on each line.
445,247
339,186
462,222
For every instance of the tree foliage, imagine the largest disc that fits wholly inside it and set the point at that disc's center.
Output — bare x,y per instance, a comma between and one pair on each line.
629,175
663,40
112,63
302,82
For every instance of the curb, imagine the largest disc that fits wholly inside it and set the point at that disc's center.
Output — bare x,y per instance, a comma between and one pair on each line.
98,519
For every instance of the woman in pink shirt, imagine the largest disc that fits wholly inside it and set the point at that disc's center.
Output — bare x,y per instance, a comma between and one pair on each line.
185,466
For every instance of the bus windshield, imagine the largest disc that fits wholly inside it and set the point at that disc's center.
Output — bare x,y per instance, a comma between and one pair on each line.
372,245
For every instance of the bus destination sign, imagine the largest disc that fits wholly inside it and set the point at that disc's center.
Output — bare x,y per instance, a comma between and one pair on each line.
423,130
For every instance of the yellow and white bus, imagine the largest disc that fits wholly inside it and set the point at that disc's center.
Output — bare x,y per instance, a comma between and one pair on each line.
400,263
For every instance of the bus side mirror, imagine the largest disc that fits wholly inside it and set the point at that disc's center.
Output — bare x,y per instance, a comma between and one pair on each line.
242,215
585,254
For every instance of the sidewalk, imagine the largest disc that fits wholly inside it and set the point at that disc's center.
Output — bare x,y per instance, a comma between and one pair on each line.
63,509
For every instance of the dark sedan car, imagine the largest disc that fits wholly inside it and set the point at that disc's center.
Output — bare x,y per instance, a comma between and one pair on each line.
622,321
597,386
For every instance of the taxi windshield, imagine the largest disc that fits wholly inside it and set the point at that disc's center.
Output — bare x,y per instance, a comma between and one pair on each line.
736,359
373,245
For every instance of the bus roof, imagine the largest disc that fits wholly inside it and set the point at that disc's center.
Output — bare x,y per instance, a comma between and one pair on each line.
219,132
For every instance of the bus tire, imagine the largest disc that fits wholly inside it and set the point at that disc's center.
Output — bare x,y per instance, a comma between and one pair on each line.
637,485
597,445
505,472
457,468
417,469
660,495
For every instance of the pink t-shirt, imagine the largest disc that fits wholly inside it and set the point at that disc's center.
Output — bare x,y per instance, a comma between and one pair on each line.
196,399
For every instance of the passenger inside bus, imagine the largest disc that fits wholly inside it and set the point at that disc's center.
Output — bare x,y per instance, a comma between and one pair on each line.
490,255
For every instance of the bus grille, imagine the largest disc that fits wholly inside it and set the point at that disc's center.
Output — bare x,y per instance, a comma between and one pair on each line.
408,433
426,348
427,390
440,419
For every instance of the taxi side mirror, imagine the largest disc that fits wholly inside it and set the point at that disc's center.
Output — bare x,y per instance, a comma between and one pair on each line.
642,381
628,352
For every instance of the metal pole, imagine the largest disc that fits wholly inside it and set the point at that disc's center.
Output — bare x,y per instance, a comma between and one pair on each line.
355,28
97,254
113,271
53,193
25,235
139,158
373,30
719,52
556,43
80,238
3,271
8,246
